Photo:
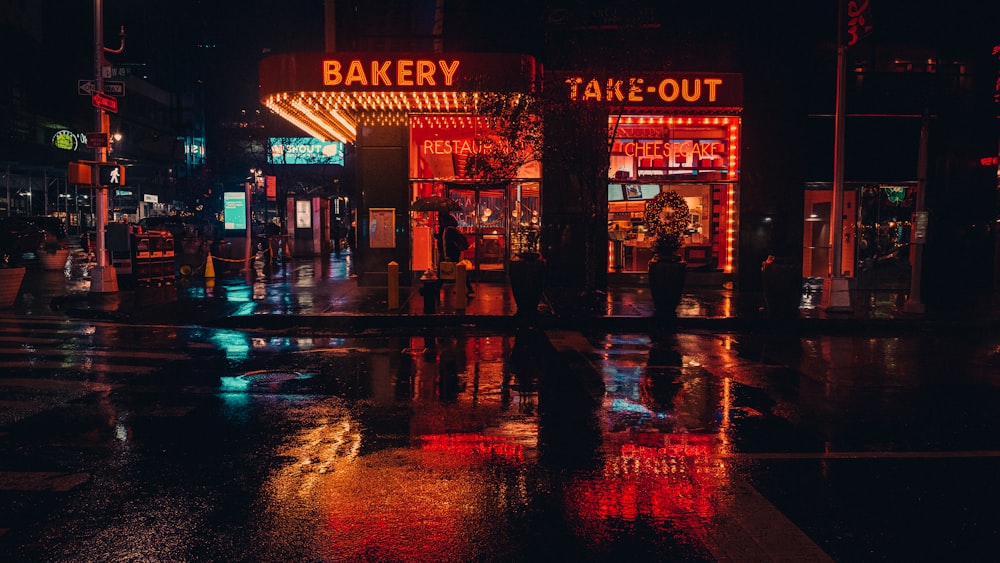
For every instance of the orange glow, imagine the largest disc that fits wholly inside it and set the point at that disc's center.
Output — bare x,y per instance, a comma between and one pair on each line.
334,116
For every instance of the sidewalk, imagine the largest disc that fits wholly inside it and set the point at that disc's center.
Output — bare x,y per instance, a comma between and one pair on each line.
315,293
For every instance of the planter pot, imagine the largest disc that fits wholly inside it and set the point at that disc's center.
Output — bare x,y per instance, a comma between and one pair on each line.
527,282
53,260
782,283
666,282
10,284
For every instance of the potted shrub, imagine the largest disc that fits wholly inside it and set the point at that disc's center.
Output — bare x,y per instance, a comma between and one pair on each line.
11,274
666,219
53,255
527,273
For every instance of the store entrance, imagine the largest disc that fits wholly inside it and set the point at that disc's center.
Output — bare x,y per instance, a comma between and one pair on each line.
483,220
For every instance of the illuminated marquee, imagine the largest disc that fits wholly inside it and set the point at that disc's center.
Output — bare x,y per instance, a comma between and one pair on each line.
678,89
327,95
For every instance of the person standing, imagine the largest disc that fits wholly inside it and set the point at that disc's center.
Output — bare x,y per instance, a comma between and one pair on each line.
453,243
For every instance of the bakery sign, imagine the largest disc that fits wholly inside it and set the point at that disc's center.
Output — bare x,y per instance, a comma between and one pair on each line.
706,90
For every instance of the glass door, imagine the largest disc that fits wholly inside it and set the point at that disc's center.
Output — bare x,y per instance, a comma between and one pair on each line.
483,219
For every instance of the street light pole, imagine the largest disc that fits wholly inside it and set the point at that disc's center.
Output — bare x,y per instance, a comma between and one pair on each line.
103,278
836,291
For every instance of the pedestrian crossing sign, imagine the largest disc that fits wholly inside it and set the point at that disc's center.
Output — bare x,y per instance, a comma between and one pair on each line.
111,174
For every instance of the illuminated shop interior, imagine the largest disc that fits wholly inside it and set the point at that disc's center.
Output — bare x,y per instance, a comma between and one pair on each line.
498,219
696,156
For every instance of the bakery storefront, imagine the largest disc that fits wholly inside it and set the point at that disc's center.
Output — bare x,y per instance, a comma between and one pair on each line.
412,118
670,131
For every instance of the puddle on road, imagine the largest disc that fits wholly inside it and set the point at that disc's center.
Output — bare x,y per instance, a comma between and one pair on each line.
443,446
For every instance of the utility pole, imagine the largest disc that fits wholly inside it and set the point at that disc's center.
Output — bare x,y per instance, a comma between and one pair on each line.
836,291
103,278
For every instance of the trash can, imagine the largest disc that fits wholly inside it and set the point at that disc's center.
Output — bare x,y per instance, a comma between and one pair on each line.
782,282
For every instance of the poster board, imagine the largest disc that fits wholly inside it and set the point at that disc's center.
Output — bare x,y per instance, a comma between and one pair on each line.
382,227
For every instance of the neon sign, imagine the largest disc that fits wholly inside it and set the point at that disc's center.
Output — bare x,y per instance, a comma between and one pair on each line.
398,72
687,89
666,149
464,146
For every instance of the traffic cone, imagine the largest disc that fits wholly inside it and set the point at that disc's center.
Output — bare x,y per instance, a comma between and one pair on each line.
209,267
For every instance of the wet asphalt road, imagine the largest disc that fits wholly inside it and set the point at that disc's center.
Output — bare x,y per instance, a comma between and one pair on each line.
160,443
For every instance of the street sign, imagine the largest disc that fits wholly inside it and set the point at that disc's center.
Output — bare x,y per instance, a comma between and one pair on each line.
97,140
105,102
87,87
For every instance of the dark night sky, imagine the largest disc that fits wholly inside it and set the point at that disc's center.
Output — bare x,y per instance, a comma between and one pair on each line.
214,46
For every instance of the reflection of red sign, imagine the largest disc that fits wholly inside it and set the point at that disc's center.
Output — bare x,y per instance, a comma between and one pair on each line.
475,444
105,102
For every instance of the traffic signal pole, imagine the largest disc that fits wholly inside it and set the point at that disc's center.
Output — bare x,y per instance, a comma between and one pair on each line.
836,290
103,278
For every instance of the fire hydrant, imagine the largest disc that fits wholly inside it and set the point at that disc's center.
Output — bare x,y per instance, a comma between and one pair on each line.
431,290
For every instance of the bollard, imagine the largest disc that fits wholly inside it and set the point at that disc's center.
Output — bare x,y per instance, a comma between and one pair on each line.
393,285
460,297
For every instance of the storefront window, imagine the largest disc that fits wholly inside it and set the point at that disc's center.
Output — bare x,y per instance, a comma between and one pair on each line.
694,156
500,218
